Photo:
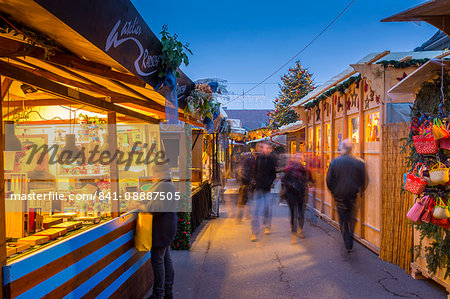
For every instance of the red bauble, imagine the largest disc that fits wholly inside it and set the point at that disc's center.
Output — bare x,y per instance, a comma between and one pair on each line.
298,91
276,100
268,113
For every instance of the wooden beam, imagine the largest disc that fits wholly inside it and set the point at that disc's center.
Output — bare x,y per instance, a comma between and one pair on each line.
13,48
60,90
40,103
113,167
2,198
6,84
97,89
150,105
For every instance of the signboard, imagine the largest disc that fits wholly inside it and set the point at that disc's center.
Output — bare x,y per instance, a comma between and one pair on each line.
117,28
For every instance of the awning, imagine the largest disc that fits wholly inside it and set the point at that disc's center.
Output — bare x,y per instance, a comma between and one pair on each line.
83,73
291,127
405,90
277,139
436,13
111,33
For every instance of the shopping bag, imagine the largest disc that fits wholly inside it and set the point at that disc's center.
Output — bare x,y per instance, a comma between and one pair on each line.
439,130
425,144
439,174
428,214
417,210
415,182
441,210
143,235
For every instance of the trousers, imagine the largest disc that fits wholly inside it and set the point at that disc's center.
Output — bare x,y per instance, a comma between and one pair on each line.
162,271
261,207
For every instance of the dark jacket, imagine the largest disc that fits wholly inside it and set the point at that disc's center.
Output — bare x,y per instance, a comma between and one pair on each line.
294,181
346,177
164,223
248,168
265,172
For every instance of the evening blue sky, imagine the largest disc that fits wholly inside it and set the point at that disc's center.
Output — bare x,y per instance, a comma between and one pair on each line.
245,41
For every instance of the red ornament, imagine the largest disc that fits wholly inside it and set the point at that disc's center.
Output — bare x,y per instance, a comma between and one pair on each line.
268,113
313,87
298,91
276,111
276,100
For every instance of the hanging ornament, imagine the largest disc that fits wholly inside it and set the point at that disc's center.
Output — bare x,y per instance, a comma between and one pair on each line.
12,143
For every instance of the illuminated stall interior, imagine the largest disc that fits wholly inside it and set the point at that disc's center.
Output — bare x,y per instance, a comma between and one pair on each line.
354,105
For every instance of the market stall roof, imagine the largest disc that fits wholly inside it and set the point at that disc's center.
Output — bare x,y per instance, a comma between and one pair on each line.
95,77
405,90
291,127
277,139
369,59
436,13
372,57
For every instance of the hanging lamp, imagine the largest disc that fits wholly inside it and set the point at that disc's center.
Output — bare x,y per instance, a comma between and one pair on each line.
12,143
70,145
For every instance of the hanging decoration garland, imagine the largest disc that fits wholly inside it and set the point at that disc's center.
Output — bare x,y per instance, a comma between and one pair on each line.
403,64
28,35
339,88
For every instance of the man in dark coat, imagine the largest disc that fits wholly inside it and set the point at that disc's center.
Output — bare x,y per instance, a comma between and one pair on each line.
345,178
264,175
163,232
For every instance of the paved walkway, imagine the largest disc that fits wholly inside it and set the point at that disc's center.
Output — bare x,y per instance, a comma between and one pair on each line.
223,263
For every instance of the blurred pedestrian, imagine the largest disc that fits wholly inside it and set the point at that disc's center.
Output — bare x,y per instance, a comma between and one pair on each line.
345,178
247,180
295,182
264,175
163,232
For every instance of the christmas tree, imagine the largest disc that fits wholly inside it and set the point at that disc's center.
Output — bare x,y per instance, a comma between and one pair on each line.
294,85
182,239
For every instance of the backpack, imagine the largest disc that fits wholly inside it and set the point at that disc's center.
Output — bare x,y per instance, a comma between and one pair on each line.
294,183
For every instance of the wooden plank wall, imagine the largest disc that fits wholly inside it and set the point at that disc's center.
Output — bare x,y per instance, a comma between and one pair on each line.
397,235
99,263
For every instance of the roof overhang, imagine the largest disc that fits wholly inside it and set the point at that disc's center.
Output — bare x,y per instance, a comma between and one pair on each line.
369,59
291,127
406,89
436,13
111,33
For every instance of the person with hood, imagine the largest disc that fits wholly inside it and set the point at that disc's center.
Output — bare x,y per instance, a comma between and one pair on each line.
345,178
294,191
163,232
264,174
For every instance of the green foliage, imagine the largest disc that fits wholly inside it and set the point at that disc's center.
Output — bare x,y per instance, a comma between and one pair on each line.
437,252
403,64
174,53
182,239
201,101
28,35
296,84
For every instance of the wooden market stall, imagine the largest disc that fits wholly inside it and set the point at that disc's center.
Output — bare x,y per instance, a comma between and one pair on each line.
428,87
354,105
295,137
53,67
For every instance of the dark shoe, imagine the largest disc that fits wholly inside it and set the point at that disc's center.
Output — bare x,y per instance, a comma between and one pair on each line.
168,292
154,296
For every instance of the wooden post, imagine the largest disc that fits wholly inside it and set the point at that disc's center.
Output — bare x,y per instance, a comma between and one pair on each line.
113,167
2,195
361,152
322,157
332,145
